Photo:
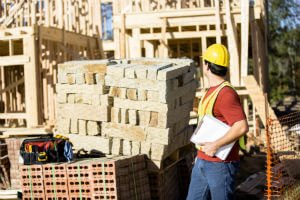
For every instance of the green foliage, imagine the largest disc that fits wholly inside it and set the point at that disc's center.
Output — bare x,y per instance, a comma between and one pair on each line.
284,47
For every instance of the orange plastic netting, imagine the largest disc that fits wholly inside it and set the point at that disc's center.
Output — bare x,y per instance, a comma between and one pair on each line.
283,157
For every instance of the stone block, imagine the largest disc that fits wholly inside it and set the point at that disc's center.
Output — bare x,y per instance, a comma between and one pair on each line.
124,131
100,78
90,78
143,118
91,142
153,96
141,73
173,72
79,78
63,125
61,98
132,94
115,115
74,125
132,117
153,70
127,147
70,98
136,147
159,135
124,116
71,79
159,152
83,111
81,89
106,100
146,148
82,127
93,128
122,93
96,99
142,95
117,146
153,119
141,105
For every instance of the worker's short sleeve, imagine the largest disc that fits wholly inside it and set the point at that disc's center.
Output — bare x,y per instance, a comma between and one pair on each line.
228,107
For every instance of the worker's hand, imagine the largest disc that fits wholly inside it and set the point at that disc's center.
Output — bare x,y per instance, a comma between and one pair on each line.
209,148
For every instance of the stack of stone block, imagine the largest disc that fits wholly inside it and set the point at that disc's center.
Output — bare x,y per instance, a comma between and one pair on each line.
127,107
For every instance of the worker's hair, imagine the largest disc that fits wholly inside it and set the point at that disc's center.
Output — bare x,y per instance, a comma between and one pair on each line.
216,69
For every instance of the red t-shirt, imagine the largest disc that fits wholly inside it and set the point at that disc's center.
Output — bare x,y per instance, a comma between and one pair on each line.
229,110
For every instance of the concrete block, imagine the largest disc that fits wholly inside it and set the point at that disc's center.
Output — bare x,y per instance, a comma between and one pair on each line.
93,128
82,127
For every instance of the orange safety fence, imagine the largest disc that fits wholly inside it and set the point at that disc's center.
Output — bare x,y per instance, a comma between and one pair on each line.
283,157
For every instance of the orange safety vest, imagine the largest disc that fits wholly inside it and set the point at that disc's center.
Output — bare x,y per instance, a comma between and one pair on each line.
206,108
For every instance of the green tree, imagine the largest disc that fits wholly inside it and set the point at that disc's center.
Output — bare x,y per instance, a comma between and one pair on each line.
284,47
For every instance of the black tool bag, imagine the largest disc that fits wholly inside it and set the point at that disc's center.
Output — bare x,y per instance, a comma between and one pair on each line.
45,150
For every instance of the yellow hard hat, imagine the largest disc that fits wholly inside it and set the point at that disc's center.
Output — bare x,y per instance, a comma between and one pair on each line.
217,54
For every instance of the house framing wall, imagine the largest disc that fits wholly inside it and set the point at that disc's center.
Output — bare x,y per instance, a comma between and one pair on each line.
34,38
185,28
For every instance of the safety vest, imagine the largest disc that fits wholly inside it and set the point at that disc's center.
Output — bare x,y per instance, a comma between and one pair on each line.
206,108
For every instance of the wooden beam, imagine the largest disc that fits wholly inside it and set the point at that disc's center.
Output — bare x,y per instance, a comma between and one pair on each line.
245,38
232,47
13,115
218,22
31,90
14,60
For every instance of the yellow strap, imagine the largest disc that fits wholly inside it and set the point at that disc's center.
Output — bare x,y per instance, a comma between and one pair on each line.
206,108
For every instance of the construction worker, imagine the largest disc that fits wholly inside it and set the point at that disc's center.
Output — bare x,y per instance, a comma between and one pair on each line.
213,178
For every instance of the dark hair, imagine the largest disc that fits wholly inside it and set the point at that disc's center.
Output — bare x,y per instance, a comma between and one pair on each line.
216,69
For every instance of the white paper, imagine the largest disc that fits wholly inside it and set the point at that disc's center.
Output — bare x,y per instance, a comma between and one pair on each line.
209,130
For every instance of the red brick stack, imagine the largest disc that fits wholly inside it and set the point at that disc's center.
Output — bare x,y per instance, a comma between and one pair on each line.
32,182
102,178
56,181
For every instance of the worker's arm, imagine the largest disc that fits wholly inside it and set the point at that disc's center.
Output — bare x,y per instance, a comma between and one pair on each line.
237,130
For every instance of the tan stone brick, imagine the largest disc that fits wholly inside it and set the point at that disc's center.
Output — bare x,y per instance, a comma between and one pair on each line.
115,115
82,127
127,147
89,78
93,128
132,117
142,95
71,98
71,78
117,146
132,94
136,147
143,118
124,116
74,125
153,119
